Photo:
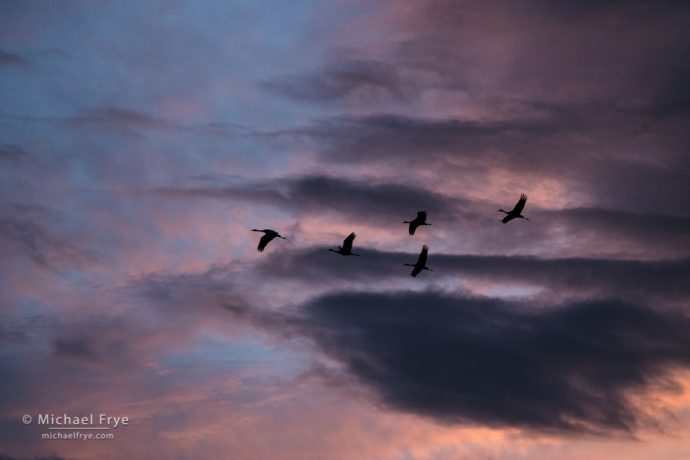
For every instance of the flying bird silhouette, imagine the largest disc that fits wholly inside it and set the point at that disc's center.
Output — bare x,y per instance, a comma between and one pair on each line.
516,212
419,220
346,248
269,235
421,262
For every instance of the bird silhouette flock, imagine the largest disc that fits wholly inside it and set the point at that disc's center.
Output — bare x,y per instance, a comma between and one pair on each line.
420,220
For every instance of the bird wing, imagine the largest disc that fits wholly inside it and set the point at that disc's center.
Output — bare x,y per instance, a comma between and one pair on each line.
421,262
347,243
419,220
416,270
264,241
520,204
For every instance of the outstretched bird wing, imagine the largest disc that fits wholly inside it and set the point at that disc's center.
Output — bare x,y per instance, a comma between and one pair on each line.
347,243
419,220
264,241
421,262
416,270
520,205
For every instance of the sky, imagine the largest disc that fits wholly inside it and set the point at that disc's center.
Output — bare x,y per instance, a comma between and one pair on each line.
141,142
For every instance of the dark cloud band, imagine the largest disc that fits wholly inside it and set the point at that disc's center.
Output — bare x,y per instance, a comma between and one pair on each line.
457,359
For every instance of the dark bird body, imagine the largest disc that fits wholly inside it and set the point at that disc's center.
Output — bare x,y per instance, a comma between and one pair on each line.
516,212
269,235
346,248
419,220
421,262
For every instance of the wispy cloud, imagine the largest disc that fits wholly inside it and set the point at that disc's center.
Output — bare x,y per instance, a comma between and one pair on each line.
606,278
338,80
27,228
11,59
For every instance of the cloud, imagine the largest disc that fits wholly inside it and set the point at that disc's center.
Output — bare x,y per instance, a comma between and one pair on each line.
13,154
36,457
570,367
569,147
11,59
630,279
367,199
119,115
18,331
590,96
414,139
471,222
79,348
338,80
549,50
657,234
128,121
214,286
477,360
26,228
